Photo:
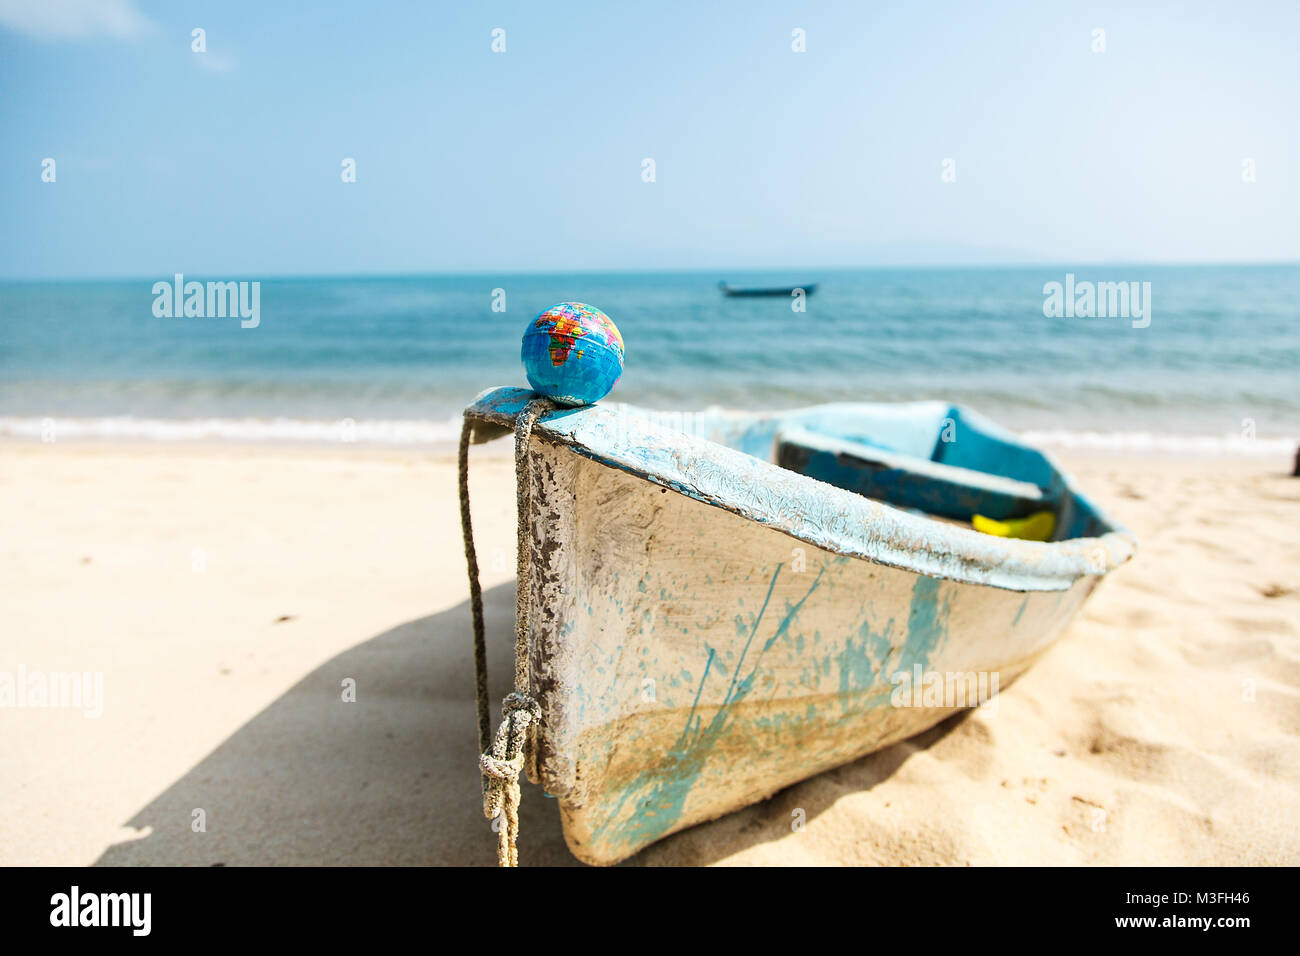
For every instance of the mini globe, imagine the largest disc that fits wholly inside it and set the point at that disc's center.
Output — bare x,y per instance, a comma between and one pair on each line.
573,353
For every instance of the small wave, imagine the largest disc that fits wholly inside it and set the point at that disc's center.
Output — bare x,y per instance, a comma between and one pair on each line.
1228,445
312,431
445,433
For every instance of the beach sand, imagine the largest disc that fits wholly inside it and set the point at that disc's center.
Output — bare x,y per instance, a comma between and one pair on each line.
228,593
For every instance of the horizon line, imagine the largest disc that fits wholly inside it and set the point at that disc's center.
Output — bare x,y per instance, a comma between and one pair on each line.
694,270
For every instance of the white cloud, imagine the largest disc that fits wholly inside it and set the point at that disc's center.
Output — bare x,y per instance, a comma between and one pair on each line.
74,19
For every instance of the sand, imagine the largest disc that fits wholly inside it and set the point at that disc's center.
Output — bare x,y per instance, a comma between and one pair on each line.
228,595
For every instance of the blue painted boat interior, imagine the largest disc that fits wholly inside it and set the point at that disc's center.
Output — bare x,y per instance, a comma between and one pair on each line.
934,457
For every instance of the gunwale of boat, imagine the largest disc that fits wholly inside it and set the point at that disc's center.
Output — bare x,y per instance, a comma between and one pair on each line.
828,517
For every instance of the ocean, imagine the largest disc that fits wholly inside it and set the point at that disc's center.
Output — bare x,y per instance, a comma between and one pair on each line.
1212,364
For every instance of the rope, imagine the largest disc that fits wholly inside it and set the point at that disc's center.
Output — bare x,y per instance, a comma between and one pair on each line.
503,756
475,595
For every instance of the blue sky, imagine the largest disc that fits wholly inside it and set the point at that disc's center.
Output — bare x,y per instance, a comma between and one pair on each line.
228,162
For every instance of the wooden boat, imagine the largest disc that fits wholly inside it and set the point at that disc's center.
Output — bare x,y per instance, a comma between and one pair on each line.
725,604
787,291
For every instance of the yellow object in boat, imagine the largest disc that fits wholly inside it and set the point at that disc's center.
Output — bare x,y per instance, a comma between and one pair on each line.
1037,527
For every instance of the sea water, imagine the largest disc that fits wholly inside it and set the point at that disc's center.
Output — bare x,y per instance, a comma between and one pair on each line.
1212,363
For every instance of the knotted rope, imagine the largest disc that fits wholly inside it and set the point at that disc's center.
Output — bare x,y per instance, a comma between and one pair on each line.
503,756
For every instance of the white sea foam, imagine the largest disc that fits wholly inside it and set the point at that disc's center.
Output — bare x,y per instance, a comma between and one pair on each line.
312,431
444,434
1227,446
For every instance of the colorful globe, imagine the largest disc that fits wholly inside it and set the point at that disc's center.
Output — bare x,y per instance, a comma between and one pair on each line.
573,353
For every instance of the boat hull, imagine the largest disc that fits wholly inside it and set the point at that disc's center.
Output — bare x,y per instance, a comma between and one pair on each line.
690,661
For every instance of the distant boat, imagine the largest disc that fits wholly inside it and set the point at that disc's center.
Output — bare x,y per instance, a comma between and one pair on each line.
787,290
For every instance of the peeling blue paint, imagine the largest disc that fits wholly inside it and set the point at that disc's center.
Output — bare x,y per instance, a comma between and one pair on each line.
927,624
1021,610
667,787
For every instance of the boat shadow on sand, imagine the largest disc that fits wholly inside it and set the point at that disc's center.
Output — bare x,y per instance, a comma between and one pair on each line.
390,779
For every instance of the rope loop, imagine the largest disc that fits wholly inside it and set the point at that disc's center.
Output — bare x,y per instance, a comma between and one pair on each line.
500,769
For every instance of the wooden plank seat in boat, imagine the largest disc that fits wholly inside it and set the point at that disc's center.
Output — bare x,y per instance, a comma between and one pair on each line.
950,491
